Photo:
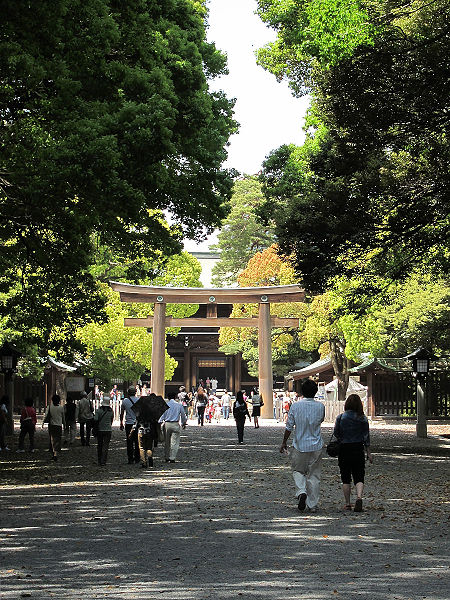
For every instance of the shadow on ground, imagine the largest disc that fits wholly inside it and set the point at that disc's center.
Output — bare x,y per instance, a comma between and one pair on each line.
222,523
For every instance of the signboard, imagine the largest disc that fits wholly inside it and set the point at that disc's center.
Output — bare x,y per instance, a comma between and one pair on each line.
91,383
75,384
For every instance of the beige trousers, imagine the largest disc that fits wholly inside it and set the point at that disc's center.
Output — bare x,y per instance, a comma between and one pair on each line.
306,469
172,441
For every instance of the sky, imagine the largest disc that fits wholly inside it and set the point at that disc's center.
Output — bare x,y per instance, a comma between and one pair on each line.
268,114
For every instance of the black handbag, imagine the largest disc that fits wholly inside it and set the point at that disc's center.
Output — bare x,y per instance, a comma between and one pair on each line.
334,444
333,448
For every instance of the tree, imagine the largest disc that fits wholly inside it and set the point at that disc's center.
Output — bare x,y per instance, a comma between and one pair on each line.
106,122
241,234
377,183
114,350
265,268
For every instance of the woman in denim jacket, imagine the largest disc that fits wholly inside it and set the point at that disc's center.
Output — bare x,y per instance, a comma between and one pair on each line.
352,430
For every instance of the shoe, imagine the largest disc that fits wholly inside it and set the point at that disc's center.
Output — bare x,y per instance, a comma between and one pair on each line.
143,466
6,448
167,460
348,506
312,509
302,502
55,458
358,505
19,450
172,461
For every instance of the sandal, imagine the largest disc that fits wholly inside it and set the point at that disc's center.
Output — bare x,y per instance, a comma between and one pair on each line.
348,506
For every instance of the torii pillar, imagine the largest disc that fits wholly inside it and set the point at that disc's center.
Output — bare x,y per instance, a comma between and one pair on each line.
263,296
265,360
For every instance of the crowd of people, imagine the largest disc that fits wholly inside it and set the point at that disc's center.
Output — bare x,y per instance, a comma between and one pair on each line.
144,431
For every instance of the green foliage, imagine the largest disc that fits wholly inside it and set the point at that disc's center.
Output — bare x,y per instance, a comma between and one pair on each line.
312,33
106,121
241,234
370,196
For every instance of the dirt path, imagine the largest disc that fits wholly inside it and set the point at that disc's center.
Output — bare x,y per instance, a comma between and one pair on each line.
222,523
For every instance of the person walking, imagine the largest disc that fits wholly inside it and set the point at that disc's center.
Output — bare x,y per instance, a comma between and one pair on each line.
171,419
214,384
28,422
130,420
4,402
183,398
226,405
85,417
306,417
55,417
70,417
147,431
240,411
352,430
103,419
200,405
257,402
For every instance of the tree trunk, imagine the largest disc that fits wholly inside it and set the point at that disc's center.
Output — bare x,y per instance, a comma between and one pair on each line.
340,366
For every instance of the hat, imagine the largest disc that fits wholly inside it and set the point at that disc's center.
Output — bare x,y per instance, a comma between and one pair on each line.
106,401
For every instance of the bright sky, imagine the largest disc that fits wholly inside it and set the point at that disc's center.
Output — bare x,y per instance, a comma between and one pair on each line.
268,114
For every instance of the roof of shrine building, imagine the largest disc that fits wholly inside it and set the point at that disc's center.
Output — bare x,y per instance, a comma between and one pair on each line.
180,295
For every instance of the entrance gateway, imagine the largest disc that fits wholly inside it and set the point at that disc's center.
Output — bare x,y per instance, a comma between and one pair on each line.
263,296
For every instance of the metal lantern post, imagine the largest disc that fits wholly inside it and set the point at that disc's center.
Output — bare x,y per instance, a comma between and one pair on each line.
8,359
420,367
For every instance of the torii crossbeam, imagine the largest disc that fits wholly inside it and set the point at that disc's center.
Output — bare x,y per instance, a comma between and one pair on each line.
263,296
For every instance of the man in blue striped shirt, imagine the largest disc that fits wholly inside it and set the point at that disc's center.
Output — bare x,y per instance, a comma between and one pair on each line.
305,417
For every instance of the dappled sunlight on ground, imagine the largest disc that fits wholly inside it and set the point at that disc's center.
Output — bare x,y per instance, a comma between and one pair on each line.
222,523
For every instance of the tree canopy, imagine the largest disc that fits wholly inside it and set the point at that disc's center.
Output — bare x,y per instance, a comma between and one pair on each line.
241,235
374,176
106,125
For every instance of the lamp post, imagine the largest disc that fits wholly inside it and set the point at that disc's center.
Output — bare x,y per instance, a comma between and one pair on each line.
420,367
8,360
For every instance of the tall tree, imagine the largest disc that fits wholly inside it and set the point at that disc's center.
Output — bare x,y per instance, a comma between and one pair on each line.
241,234
378,182
106,120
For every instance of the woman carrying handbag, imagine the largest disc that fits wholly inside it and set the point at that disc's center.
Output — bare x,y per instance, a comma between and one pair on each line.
352,431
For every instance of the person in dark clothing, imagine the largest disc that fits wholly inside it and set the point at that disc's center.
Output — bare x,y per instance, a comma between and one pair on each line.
200,404
28,422
240,411
147,435
103,419
352,430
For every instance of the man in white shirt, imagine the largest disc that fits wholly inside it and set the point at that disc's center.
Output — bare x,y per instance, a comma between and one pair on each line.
305,416
226,403
171,419
214,384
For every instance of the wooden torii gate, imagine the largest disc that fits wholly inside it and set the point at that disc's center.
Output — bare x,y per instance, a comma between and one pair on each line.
263,296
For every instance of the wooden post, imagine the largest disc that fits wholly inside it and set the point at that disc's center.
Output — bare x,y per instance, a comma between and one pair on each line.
265,360
237,373
187,370
158,349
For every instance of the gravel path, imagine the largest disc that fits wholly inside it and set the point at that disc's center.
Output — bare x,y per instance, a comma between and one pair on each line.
222,523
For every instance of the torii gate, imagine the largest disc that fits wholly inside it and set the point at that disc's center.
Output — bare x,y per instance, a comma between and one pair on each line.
262,296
